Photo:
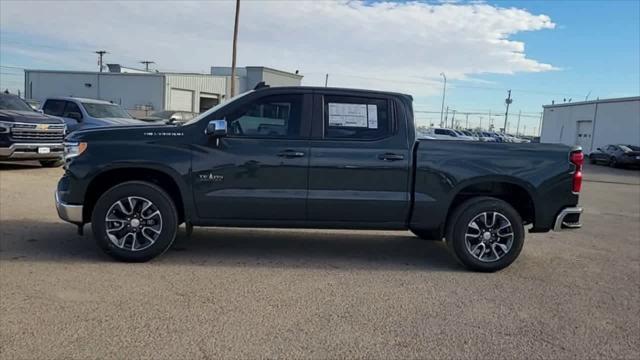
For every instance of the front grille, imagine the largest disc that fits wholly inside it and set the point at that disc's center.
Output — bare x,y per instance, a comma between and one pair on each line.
38,132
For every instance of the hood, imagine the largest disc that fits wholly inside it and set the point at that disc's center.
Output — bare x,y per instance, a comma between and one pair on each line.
127,132
122,121
29,117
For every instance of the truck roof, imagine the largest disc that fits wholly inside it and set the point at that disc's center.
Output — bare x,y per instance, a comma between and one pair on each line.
337,89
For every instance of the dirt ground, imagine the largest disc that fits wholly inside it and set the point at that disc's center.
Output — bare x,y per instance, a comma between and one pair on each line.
249,293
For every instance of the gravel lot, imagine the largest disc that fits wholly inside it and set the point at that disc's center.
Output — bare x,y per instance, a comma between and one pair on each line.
237,293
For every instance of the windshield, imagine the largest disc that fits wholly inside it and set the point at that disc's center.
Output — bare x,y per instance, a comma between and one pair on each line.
215,108
100,111
9,102
629,148
163,114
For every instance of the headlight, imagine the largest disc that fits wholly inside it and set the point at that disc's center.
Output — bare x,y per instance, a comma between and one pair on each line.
73,149
5,127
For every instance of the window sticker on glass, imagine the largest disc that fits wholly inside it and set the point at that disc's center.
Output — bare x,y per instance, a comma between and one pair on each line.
372,116
348,115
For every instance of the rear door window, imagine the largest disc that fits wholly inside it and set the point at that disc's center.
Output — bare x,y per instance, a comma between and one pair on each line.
54,107
356,118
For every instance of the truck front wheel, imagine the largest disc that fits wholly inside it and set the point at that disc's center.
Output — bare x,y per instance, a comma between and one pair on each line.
485,234
134,221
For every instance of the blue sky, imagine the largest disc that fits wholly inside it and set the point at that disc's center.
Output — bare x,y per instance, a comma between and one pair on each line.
592,46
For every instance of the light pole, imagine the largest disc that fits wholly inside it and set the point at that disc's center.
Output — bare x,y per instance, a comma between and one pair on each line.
444,91
100,55
507,101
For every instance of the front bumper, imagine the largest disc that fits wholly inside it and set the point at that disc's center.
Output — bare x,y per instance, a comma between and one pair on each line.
568,218
29,151
68,212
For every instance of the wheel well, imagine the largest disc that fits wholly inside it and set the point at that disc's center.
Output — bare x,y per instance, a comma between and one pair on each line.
513,194
108,179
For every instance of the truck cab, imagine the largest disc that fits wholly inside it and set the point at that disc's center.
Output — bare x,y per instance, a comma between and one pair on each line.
81,113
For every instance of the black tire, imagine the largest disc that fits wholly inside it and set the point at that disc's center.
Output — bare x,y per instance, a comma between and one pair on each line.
462,217
160,200
613,162
592,160
427,235
52,163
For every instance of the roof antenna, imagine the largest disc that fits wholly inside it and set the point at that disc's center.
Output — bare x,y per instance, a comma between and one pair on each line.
261,85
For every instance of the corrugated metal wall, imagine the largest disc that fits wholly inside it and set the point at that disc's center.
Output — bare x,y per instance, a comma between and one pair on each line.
201,85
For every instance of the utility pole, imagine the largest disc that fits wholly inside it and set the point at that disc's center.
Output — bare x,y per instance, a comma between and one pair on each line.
444,91
233,56
540,124
146,64
452,119
100,55
467,123
326,80
518,126
490,121
524,132
507,101
480,122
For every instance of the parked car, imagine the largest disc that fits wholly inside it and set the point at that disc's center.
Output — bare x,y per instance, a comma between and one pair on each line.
470,134
315,157
26,134
486,137
464,136
79,113
170,116
447,134
616,155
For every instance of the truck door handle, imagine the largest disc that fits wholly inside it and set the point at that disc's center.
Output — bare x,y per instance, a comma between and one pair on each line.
390,157
290,154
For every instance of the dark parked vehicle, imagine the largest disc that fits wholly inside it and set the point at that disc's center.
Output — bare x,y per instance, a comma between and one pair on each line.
307,157
26,134
616,155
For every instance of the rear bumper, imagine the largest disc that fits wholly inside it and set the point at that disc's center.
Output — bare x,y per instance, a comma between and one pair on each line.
68,212
568,218
29,151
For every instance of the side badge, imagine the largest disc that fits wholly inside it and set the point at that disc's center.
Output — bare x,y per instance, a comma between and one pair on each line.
209,177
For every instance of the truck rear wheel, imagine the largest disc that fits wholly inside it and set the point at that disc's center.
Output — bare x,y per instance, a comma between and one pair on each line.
134,221
485,234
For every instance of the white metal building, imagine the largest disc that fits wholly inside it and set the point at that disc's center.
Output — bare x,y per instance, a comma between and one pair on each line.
593,124
139,93
249,76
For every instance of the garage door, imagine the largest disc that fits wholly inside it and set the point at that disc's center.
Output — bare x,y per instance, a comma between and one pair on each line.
583,135
181,100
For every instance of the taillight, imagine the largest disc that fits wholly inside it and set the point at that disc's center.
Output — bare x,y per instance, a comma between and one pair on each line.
577,158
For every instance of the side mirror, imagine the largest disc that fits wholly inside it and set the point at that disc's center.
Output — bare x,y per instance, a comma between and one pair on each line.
217,128
75,115
599,149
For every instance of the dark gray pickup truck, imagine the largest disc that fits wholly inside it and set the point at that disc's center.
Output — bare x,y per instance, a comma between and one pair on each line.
306,157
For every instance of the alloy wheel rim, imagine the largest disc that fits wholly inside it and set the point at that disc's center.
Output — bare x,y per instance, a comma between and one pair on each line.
133,223
489,236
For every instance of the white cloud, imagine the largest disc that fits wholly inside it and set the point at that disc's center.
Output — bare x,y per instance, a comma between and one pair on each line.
410,42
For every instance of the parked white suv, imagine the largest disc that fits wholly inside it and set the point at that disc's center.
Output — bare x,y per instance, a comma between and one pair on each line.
447,134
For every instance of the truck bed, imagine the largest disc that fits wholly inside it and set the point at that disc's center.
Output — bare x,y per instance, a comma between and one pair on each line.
446,172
